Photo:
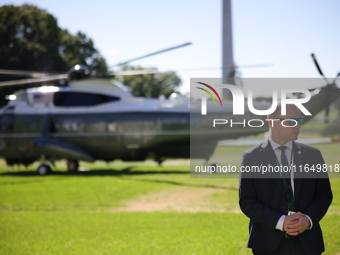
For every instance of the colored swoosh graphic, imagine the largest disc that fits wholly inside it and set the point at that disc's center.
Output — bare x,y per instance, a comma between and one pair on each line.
208,93
212,90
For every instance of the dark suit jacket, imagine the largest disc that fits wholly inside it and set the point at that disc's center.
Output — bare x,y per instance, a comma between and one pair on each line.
263,200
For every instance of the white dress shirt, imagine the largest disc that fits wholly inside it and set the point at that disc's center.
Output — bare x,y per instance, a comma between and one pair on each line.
290,158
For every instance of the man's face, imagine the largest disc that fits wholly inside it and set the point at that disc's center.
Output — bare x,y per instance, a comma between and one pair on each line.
282,134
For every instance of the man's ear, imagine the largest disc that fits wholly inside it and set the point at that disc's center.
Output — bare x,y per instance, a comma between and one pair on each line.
270,123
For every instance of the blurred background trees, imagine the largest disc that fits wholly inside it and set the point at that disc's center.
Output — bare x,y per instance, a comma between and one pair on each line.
32,40
150,85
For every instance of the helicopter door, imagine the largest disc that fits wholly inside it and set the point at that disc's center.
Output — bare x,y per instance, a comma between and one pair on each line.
133,131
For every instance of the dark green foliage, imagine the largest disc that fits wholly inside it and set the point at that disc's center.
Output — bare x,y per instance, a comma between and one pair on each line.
79,49
32,40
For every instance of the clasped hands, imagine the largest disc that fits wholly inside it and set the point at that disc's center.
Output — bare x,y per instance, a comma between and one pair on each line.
296,223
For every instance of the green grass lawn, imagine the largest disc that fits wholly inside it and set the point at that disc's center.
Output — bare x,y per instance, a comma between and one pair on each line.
78,213
122,233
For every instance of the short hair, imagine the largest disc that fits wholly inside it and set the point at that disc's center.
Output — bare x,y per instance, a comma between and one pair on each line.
277,111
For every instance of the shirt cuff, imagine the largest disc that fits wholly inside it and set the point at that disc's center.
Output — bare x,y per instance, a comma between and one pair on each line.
311,222
279,224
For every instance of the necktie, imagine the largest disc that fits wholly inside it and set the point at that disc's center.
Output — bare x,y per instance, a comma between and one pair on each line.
284,162
286,179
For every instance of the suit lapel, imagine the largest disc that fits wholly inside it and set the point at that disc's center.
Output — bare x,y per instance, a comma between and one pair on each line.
269,157
299,159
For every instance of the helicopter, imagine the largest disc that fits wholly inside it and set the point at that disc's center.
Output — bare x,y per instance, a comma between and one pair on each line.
98,119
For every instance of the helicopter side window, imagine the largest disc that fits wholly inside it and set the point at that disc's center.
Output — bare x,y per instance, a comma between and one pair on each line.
6,122
68,99
41,98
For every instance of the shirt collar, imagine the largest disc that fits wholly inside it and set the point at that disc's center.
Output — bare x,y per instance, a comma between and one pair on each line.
275,145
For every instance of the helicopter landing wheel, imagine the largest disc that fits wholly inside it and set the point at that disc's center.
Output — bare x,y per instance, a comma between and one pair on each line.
44,169
158,160
72,165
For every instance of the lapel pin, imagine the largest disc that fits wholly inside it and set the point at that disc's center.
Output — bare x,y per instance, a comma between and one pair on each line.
299,152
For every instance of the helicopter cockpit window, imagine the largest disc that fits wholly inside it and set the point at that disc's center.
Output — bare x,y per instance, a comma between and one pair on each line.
67,99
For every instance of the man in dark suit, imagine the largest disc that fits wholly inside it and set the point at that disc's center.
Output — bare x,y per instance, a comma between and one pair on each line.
284,207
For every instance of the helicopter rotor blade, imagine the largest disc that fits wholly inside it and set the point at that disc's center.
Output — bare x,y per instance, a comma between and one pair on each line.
318,67
317,64
33,74
138,72
233,67
129,72
327,102
154,53
327,107
327,112
34,80
337,76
